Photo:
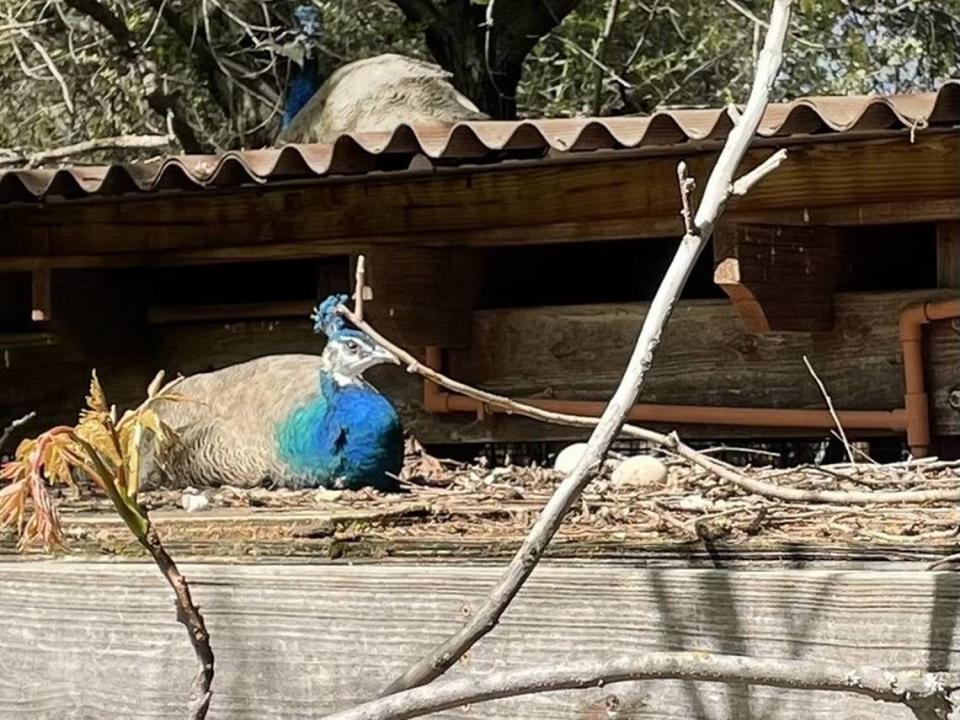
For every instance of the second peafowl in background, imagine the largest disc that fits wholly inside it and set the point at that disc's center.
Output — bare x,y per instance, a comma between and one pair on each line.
295,421
372,94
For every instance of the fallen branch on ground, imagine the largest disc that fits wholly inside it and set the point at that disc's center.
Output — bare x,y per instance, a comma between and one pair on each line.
718,189
928,695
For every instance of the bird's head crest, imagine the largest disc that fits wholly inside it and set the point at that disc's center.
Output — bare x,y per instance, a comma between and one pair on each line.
309,21
349,351
325,317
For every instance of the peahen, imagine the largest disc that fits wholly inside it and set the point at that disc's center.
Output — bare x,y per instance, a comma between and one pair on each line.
296,421
368,95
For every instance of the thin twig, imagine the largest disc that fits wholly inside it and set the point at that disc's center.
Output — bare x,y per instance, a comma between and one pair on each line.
743,184
613,74
8,430
945,560
833,413
758,23
926,694
612,11
52,67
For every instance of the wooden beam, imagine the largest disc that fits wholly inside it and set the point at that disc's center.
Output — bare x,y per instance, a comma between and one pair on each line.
948,254
424,296
778,278
41,305
707,358
64,649
172,314
607,197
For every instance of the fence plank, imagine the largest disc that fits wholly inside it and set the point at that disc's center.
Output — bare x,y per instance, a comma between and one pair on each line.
96,639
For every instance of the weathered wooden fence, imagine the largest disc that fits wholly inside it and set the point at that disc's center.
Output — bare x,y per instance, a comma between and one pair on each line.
99,639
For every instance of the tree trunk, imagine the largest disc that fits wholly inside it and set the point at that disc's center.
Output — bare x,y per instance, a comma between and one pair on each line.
485,46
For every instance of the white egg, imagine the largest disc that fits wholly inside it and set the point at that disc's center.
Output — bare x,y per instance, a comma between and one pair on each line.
642,471
568,458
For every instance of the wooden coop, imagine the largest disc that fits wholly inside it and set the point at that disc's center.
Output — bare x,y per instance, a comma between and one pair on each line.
519,257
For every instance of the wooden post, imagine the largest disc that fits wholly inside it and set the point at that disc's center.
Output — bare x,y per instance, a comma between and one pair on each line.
948,254
780,278
423,296
41,305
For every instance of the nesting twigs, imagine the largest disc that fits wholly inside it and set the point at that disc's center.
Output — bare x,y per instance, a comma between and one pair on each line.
670,442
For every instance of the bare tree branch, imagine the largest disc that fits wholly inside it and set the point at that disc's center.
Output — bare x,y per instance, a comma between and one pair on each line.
162,103
442,657
613,9
52,67
85,147
219,72
928,695
743,184
8,430
110,21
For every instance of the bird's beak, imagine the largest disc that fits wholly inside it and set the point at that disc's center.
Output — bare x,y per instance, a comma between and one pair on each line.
383,355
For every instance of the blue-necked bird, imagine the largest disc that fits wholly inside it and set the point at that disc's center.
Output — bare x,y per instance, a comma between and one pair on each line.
296,421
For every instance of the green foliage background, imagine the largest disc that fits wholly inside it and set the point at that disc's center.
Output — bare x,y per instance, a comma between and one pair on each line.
699,52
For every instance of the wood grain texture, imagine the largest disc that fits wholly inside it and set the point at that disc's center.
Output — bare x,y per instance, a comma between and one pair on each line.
778,278
578,352
624,195
99,640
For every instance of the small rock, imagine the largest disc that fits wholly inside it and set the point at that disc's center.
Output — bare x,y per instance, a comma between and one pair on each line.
642,471
568,458
696,503
327,495
192,502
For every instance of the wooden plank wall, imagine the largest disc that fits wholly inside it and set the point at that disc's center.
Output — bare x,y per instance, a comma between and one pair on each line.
569,352
94,640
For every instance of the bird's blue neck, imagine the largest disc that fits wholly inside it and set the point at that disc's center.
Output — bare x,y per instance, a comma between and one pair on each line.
304,82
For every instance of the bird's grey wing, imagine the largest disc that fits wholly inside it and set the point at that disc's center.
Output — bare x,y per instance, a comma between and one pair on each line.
227,423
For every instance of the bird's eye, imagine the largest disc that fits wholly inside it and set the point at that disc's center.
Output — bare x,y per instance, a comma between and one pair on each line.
352,345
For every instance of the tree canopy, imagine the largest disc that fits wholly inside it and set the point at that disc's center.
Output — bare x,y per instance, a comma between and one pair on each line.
211,73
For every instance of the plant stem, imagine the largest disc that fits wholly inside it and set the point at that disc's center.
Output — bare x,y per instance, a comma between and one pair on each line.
189,615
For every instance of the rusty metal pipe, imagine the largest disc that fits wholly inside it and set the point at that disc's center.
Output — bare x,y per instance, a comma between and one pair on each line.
914,417
916,401
436,400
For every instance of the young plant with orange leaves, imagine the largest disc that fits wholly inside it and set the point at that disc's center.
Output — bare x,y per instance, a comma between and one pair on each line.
107,450
104,448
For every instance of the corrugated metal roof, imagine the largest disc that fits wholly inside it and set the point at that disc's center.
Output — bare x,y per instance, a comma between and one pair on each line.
483,141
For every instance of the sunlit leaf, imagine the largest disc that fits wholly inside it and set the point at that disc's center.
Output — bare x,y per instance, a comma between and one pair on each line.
96,399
